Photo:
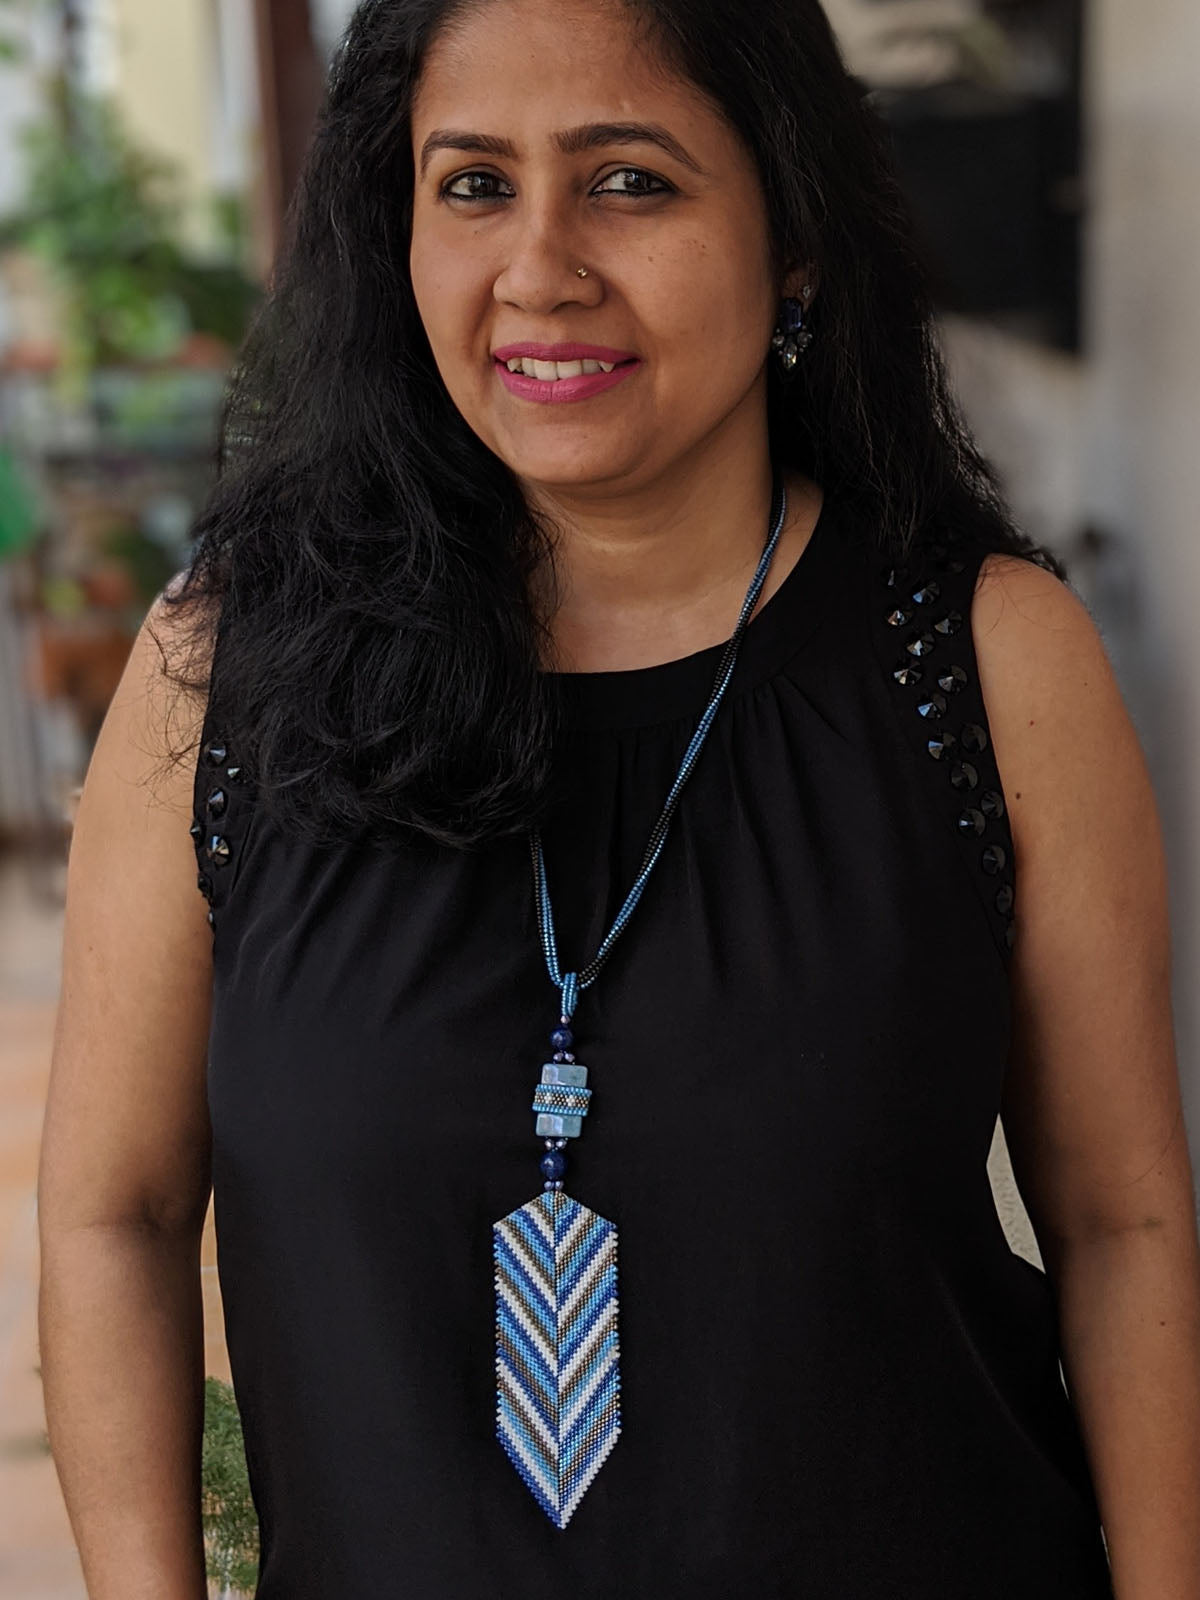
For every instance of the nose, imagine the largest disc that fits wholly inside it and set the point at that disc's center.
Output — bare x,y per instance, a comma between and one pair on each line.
540,271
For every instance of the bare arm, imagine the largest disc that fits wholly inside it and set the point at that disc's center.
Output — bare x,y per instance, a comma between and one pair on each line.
1092,1110
123,1184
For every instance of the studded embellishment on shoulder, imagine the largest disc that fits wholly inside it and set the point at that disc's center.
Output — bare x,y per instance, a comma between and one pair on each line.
218,819
922,627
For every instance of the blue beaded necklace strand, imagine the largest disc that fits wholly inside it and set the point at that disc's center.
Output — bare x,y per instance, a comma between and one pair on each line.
558,1410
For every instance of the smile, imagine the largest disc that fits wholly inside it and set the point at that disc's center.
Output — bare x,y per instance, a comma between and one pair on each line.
558,373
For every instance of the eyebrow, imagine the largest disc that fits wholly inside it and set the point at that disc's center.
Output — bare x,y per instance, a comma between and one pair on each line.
570,141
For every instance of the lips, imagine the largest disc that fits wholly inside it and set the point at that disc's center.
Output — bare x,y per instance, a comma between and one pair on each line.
561,391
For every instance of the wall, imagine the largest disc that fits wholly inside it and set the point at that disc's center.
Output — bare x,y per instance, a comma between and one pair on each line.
166,76
329,19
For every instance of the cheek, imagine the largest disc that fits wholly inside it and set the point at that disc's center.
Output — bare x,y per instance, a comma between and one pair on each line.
715,309
449,294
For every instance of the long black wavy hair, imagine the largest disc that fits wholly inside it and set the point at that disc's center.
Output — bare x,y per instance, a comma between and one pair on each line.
367,558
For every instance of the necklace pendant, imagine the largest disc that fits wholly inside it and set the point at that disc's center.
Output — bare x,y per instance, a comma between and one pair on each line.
558,1405
558,1400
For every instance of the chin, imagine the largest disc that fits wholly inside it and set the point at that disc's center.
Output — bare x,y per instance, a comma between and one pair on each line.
592,463
568,476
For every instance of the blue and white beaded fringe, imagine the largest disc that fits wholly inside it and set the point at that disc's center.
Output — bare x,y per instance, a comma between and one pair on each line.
558,1404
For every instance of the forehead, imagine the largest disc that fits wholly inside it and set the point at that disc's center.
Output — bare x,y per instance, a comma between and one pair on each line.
560,62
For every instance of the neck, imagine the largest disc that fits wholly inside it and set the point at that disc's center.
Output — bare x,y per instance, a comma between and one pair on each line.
648,575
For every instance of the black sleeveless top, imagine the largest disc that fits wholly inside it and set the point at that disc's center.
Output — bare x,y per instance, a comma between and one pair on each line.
837,1380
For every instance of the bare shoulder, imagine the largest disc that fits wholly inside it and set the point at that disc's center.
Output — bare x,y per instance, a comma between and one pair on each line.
1025,616
152,730
1070,760
1057,714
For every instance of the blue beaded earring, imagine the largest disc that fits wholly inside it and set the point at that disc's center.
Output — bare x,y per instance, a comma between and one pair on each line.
792,335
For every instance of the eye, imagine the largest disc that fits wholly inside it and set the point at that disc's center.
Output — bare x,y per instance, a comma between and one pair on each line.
634,181
474,186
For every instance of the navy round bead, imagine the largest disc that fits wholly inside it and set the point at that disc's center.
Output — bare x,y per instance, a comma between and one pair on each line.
562,1038
553,1164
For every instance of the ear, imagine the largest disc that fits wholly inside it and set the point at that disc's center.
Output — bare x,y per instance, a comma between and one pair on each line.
801,275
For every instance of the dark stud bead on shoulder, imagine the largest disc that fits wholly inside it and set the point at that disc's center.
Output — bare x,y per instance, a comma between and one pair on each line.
562,1038
956,566
204,884
991,803
215,754
952,678
218,851
964,776
211,919
949,624
216,803
196,829
971,821
234,774
994,859
553,1164
939,552
974,738
907,674
926,594
1010,935
1004,899
899,617
933,709
920,644
941,744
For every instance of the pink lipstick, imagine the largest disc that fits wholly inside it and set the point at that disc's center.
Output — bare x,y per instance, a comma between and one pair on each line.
561,390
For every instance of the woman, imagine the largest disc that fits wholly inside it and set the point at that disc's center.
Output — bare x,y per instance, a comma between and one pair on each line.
599,322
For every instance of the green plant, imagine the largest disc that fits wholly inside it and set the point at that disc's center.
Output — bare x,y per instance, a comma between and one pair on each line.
227,1509
105,217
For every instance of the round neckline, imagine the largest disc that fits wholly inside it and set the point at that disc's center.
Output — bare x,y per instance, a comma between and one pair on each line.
622,697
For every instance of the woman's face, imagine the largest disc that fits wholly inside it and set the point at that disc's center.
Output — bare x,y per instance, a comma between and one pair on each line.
546,138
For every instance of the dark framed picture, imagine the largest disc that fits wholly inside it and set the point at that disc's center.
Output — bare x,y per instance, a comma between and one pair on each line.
984,99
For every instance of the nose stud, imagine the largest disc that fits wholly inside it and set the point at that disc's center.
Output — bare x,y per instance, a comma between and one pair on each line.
581,272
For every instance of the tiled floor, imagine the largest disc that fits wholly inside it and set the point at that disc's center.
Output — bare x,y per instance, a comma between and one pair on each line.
37,1554
38,1560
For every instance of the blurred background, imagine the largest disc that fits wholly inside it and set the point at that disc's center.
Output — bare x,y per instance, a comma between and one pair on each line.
1050,149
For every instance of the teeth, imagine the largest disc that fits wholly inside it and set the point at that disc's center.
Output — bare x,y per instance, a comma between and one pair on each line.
553,371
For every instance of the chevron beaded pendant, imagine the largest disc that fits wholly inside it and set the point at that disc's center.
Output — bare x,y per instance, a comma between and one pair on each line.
558,1401
558,1381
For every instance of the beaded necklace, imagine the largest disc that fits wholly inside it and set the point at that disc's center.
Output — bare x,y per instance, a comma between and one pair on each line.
558,1409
